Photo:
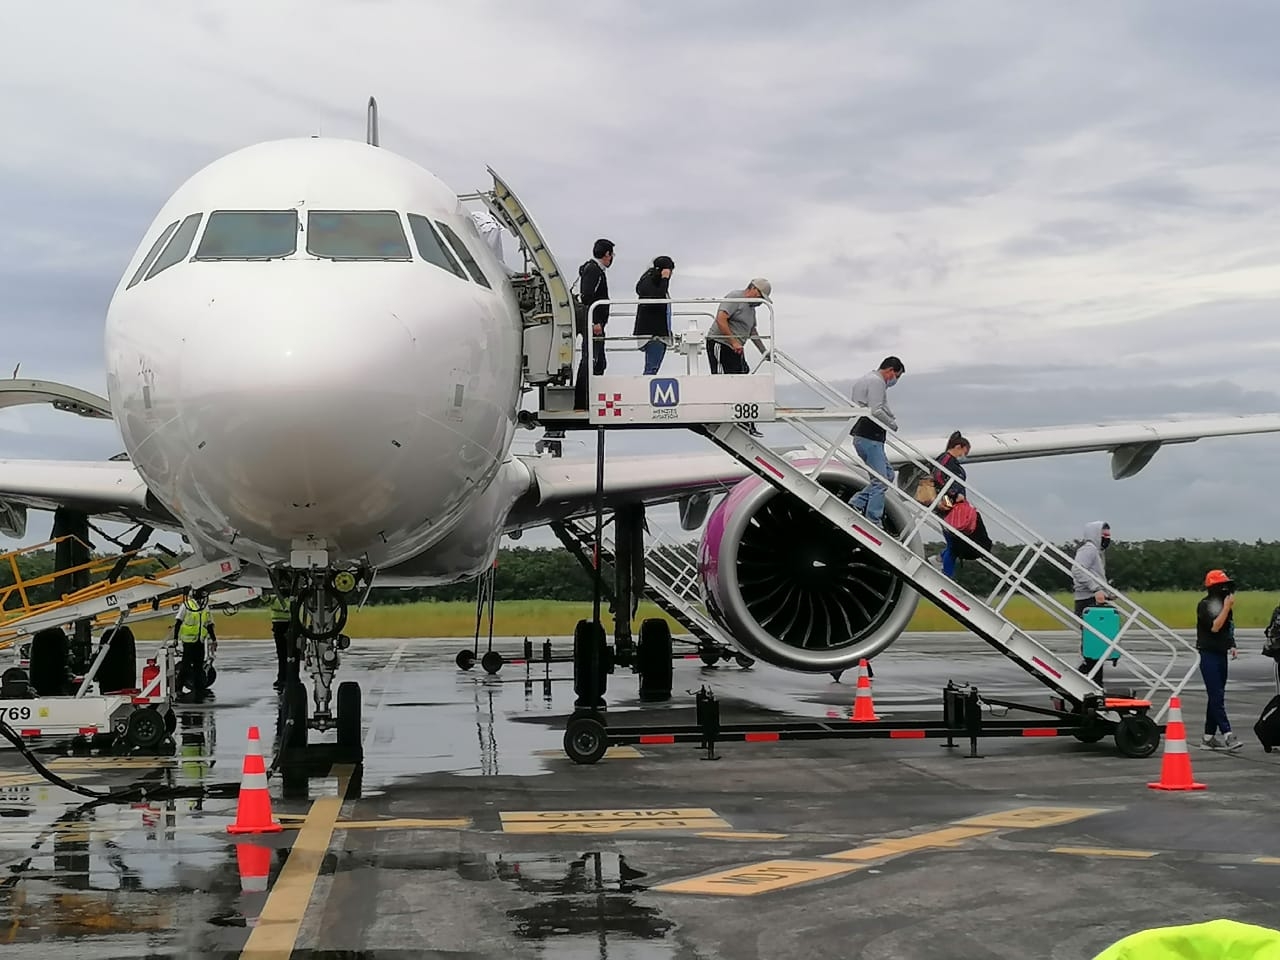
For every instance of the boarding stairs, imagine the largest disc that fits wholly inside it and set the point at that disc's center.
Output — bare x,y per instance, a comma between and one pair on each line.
116,600
671,570
544,297
1142,637
719,407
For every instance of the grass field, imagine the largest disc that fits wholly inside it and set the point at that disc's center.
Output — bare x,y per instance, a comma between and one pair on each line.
543,618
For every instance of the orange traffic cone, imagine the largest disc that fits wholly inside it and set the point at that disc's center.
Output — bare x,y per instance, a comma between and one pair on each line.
1175,771
863,708
253,809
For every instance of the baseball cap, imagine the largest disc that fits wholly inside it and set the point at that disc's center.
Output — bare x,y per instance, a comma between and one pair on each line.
763,285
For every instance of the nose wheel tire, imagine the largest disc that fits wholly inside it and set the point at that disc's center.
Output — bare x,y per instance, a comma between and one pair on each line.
585,740
349,721
466,659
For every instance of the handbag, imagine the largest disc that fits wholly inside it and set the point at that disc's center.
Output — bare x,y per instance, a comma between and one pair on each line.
926,490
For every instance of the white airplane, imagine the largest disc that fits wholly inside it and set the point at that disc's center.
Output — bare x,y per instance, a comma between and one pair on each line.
315,364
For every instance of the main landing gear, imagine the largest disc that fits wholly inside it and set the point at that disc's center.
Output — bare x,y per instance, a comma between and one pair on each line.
318,610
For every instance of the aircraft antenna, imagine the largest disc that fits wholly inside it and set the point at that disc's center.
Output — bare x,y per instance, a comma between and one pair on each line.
371,132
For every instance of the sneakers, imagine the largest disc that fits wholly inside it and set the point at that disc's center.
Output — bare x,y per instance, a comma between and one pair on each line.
1229,742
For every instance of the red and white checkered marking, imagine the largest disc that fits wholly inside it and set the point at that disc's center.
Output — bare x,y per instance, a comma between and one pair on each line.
609,405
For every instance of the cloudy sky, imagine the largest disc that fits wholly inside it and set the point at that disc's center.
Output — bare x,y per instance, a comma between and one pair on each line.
1053,213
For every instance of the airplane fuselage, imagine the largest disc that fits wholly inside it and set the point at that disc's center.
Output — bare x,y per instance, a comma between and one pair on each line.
314,357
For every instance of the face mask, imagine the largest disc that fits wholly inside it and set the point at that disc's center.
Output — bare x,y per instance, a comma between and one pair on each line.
891,382
1106,543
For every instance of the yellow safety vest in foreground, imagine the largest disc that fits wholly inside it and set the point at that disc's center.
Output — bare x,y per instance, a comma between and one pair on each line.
279,610
1214,940
195,624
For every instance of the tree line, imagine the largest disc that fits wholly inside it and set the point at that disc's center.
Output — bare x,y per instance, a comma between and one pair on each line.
525,573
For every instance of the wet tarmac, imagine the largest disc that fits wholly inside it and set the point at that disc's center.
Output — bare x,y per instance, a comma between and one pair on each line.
468,833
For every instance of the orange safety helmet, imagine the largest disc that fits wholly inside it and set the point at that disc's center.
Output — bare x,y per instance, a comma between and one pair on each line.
1215,577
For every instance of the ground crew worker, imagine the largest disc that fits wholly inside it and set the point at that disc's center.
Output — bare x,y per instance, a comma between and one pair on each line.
286,659
734,325
194,626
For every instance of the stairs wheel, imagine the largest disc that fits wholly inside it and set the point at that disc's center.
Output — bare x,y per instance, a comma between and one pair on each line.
653,660
585,740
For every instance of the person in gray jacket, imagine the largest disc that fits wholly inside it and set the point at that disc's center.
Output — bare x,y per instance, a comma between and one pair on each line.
871,391
1089,575
1089,570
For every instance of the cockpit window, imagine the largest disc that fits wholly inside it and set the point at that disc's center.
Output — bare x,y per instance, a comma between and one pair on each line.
356,235
464,255
430,247
145,265
249,235
178,246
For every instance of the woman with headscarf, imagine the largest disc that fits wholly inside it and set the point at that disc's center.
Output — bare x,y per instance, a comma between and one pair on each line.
653,320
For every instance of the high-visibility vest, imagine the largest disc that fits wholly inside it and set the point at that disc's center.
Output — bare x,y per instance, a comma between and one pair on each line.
195,623
1220,939
279,609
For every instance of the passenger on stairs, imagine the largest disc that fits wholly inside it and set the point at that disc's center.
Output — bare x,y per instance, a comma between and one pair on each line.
956,548
593,286
653,320
735,323
1215,635
1089,573
871,391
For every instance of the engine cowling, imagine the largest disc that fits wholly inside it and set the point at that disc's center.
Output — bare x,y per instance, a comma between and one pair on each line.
792,589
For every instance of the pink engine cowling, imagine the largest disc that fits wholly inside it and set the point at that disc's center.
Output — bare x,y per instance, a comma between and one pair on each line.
793,590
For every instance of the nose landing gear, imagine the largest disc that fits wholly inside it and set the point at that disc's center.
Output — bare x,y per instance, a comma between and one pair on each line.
318,613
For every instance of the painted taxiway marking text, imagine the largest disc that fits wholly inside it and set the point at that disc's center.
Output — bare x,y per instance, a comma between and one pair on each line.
759,878
611,821
771,875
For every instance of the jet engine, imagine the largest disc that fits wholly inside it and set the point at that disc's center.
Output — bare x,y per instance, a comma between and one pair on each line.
791,588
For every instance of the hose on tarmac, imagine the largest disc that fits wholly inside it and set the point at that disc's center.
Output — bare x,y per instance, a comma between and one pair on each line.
134,792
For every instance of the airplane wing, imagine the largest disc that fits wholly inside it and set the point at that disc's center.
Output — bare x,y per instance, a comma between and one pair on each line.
109,489
566,487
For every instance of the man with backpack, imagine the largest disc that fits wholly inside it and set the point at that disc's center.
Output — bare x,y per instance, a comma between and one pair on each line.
593,287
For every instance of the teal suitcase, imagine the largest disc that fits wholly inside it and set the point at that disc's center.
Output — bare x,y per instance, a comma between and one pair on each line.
1106,620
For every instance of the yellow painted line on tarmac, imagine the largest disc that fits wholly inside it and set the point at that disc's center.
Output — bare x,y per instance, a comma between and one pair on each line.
741,835
30,779
612,753
1106,852
771,875
117,763
896,846
757,878
1268,860
454,823
1029,818
277,931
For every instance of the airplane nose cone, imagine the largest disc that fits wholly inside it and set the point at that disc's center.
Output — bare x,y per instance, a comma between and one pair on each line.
304,410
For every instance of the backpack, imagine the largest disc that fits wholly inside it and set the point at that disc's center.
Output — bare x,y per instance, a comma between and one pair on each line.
1272,633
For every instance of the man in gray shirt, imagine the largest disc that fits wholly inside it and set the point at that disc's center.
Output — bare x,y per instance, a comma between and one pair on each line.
735,323
871,391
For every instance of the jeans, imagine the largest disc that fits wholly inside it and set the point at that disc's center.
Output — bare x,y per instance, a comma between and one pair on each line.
1213,668
654,351
871,500
948,556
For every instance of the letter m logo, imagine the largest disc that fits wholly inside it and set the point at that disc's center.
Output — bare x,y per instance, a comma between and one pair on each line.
664,393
